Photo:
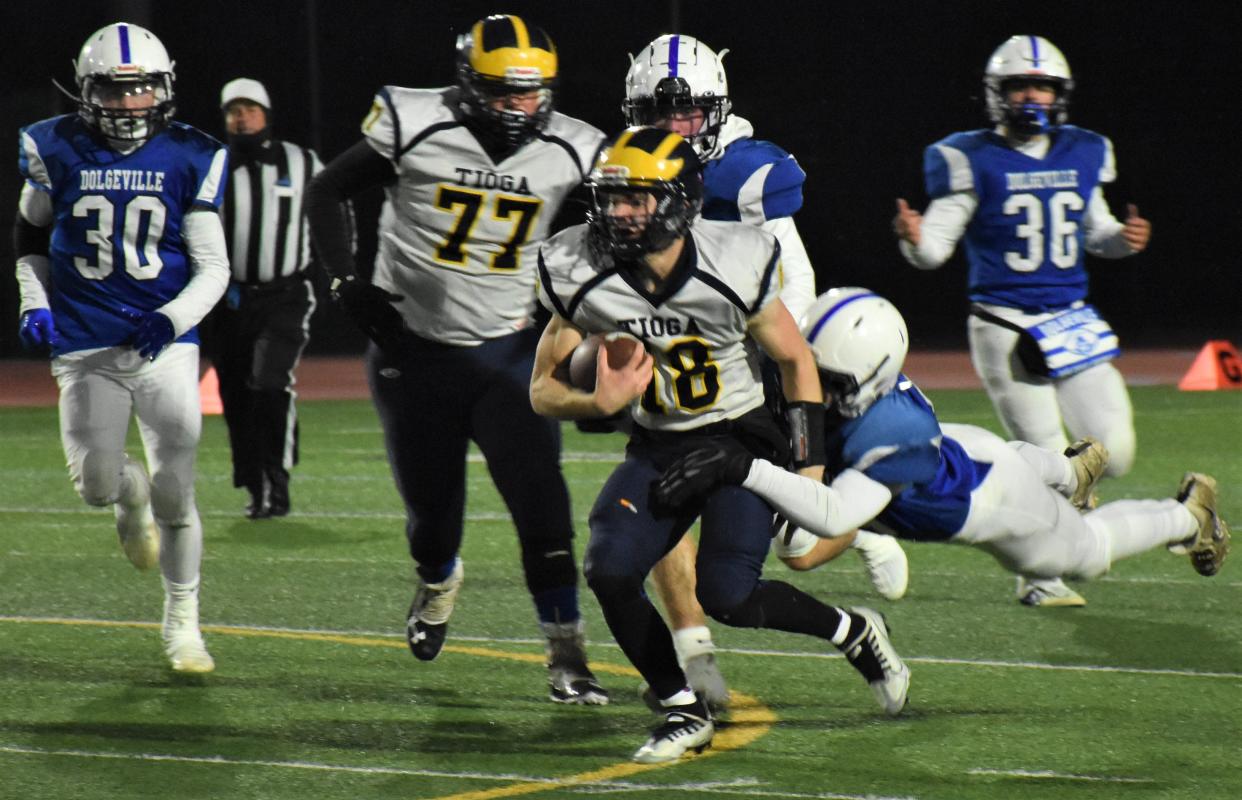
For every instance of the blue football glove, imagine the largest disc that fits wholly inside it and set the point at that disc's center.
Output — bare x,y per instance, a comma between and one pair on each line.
37,330
698,473
153,334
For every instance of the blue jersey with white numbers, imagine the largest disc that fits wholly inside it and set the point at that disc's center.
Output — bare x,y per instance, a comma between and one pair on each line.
1025,242
898,442
776,193
116,240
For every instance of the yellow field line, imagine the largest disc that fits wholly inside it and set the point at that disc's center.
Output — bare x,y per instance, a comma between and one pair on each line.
748,718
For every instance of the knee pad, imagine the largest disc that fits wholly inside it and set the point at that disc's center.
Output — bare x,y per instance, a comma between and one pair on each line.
549,564
728,600
1121,444
608,585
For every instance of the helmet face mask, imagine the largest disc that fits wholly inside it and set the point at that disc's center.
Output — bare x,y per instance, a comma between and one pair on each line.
1027,60
646,190
506,73
672,78
125,83
859,341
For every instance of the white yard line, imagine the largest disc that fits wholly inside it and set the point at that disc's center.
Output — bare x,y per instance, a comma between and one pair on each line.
1050,775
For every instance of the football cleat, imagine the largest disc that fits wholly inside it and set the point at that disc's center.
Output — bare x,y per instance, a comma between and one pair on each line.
872,654
886,563
1209,546
570,680
135,524
704,677
1048,593
1088,457
686,727
427,624
183,641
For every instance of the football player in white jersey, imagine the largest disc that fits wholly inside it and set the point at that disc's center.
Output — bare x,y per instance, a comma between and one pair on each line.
679,84
702,296
1026,197
120,254
475,174
891,463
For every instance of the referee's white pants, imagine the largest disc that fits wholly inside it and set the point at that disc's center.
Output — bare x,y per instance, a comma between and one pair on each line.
1032,529
99,390
1036,409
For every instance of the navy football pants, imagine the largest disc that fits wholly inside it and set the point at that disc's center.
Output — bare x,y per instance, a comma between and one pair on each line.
432,400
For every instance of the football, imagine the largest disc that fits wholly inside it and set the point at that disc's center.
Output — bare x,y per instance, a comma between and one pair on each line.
618,346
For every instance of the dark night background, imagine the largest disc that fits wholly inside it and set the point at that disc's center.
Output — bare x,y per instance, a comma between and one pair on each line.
854,90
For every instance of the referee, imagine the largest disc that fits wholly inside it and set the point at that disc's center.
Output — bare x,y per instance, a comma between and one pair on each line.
263,322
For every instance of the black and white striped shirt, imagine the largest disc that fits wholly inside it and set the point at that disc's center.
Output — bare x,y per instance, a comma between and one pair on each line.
264,222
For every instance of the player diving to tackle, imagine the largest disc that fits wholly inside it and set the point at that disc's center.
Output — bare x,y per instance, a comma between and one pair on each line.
702,296
892,464
120,254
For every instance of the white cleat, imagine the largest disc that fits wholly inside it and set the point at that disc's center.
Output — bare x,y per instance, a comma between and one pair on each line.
187,653
886,563
873,655
1048,593
1209,546
135,524
183,641
687,727
1088,457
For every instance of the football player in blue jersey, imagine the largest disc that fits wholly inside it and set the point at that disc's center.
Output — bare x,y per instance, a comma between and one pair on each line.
892,464
1026,197
120,254
679,84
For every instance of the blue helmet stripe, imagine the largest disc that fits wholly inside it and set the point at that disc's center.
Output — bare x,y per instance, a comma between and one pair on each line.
674,45
123,30
819,324
1035,50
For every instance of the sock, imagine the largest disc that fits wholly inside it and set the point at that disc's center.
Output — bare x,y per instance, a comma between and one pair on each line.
691,642
1135,526
557,605
683,698
849,628
1054,469
436,574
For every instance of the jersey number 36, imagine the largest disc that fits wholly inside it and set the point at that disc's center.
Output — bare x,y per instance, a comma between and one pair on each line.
1060,232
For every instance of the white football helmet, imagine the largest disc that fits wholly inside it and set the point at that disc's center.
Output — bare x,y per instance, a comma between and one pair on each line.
125,83
860,342
674,74
1027,57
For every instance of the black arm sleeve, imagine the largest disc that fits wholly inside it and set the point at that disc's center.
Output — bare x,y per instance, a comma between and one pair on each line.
358,168
30,239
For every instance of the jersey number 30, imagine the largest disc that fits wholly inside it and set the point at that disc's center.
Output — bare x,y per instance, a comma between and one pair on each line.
142,225
1060,232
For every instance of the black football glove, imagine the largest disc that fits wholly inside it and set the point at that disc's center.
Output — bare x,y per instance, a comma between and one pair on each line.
697,473
371,309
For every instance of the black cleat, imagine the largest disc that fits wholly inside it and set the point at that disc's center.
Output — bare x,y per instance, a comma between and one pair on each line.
570,680
687,727
426,627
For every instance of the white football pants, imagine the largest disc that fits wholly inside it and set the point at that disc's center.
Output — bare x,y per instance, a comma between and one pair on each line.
1032,408
99,390
1032,529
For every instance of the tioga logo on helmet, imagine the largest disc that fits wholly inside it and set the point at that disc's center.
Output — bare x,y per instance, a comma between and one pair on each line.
503,55
636,164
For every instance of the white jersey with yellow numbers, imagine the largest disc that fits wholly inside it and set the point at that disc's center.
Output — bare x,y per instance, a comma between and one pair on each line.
459,240
695,327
